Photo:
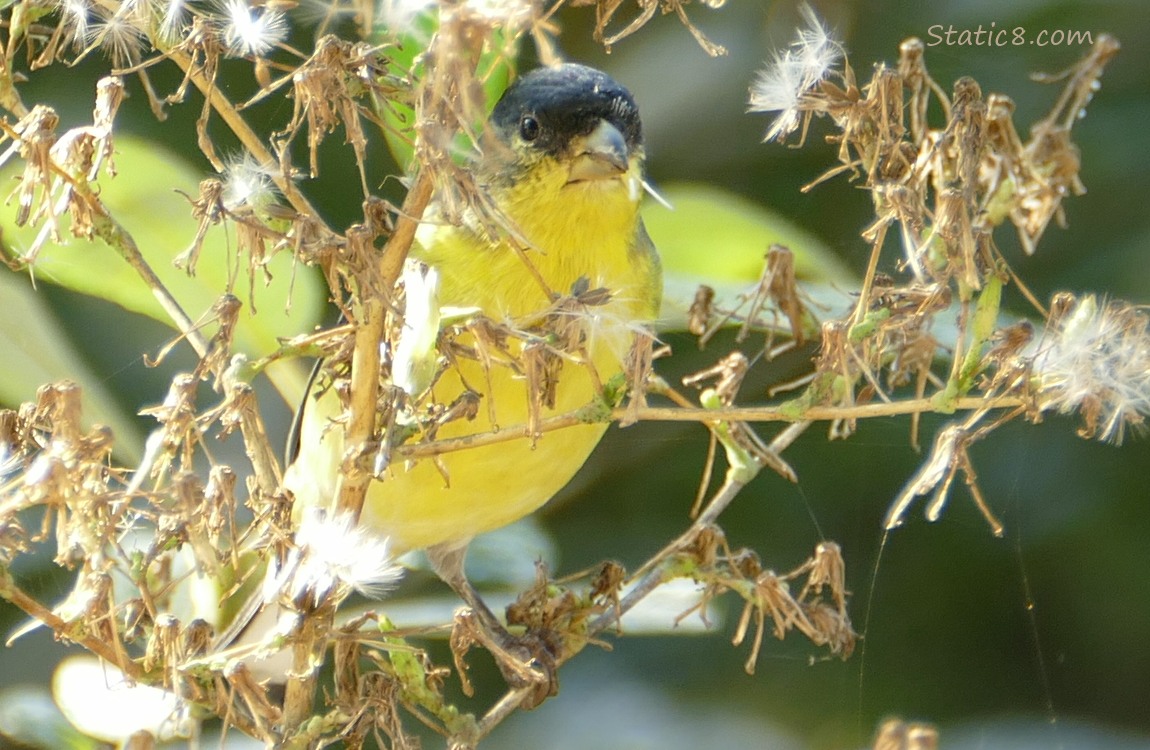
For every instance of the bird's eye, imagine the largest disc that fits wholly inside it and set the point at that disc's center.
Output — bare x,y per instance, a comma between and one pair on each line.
529,128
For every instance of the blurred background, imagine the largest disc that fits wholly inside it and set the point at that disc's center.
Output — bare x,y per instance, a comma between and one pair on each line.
1037,639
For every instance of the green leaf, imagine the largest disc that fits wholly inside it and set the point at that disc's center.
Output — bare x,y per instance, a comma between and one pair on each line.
145,197
36,351
712,236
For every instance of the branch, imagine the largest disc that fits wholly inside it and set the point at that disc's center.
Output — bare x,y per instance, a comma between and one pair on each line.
696,414
816,413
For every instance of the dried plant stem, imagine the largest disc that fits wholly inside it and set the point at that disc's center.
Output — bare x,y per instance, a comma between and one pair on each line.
104,649
112,233
299,697
695,414
820,413
239,126
868,276
364,397
395,251
783,440
369,332
316,627
511,702
511,432
256,442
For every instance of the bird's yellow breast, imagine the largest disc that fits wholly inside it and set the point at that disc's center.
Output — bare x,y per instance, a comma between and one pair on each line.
575,230
580,230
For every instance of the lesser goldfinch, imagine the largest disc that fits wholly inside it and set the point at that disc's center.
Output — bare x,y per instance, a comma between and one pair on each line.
563,167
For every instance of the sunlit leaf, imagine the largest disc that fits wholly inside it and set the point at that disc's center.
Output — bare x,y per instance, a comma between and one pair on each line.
715,237
102,703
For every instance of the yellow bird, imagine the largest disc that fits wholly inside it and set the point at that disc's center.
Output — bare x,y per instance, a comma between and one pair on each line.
564,168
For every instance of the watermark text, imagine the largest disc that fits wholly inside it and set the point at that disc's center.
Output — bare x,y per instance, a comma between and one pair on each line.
993,36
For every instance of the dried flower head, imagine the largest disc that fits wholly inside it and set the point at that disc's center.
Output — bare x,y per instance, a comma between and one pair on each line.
794,71
1095,360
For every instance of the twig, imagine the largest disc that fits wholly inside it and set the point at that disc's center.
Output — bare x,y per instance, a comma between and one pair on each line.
395,251
695,414
112,233
504,434
369,332
507,705
308,647
819,413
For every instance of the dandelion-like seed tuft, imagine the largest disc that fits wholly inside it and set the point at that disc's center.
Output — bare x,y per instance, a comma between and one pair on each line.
174,15
118,35
333,553
400,15
248,184
1095,360
251,32
76,19
781,85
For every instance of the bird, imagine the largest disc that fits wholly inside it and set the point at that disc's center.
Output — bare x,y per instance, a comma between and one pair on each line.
562,168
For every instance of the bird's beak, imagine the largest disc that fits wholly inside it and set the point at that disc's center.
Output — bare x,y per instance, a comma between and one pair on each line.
599,155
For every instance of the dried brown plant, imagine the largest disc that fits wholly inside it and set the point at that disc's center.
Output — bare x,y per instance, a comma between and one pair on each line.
947,186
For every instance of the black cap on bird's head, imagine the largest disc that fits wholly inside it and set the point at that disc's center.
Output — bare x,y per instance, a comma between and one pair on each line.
571,112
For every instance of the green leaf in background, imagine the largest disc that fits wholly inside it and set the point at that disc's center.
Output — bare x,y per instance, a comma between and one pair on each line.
143,197
409,34
712,236
36,351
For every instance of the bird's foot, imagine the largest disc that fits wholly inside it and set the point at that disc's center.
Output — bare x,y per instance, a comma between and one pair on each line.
527,662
